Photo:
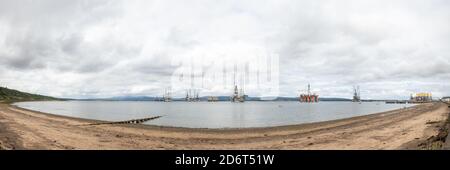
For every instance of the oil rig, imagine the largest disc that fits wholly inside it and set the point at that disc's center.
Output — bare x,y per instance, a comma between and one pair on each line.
356,94
167,96
192,95
309,97
238,95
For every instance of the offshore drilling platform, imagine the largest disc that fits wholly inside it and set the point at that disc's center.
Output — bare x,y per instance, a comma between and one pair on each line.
309,97
356,94
167,96
238,94
192,95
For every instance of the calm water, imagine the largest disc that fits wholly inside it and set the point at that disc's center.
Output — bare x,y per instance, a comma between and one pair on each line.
212,115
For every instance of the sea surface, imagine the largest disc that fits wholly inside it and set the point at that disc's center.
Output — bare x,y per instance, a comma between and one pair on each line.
212,115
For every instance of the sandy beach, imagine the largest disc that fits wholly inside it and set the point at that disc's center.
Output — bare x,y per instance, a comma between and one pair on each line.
407,128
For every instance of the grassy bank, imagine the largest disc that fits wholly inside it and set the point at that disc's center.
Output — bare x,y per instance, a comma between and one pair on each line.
11,95
7,140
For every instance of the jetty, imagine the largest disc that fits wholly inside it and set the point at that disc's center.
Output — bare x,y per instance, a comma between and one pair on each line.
133,121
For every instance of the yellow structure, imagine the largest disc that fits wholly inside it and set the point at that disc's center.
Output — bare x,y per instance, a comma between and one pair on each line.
422,97
446,99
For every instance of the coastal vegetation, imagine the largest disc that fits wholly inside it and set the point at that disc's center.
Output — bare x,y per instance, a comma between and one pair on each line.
10,95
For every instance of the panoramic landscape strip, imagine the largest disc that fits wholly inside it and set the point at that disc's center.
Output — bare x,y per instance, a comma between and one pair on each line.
267,78
423,126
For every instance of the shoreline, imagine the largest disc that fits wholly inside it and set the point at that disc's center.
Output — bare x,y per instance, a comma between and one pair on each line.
40,130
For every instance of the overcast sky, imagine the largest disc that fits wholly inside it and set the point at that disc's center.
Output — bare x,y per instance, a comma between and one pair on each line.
99,48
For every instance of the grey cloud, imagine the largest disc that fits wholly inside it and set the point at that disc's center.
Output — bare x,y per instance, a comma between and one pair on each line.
46,32
127,47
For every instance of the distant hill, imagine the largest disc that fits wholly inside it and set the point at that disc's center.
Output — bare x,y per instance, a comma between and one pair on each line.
335,99
122,98
320,99
205,98
10,95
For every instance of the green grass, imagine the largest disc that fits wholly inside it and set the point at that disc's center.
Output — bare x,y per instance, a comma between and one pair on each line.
10,95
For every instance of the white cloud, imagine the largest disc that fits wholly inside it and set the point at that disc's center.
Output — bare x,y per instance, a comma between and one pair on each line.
101,48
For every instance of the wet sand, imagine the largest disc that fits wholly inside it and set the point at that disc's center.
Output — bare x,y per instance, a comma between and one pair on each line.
398,129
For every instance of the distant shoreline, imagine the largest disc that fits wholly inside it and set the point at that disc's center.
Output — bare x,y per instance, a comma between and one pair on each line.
368,101
397,129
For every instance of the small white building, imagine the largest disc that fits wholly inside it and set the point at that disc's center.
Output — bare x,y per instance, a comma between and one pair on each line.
446,99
